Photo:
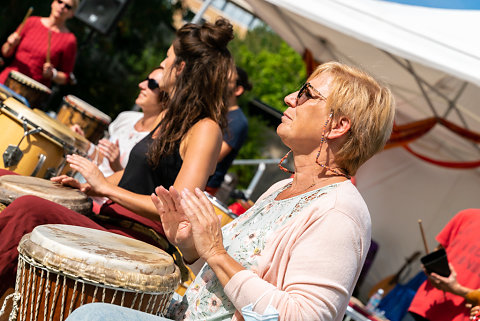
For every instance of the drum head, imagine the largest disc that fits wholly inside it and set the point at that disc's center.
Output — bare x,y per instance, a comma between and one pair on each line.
14,186
102,257
87,108
21,78
22,112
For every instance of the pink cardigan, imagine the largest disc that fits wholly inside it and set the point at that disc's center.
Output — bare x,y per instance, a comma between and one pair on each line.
311,265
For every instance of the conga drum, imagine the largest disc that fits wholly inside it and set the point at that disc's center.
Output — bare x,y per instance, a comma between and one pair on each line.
221,209
6,92
30,145
62,267
92,121
36,93
14,186
81,144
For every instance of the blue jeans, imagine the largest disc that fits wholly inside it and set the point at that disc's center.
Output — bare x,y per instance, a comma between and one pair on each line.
110,312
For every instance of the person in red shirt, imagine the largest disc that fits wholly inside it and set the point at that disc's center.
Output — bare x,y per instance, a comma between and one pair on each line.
443,298
28,47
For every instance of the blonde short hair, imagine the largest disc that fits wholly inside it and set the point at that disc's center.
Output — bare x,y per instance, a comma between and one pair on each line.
368,105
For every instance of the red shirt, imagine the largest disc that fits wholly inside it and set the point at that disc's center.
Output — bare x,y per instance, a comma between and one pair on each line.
31,52
462,244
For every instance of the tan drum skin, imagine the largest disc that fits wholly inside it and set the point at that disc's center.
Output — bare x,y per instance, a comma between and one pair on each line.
48,144
81,265
92,121
36,93
14,186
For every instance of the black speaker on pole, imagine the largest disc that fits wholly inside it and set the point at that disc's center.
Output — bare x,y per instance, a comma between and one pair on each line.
100,15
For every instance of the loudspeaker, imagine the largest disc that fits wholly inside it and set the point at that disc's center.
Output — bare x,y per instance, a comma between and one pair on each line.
100,14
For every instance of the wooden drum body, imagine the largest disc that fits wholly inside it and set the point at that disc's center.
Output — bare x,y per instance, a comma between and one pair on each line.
81,144
92,121
29,145
14,186
221,209
62,267
36,93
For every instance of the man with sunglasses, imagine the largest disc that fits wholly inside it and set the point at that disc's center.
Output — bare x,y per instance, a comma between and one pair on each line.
43,48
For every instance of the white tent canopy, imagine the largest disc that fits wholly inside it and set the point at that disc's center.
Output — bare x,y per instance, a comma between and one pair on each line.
430,57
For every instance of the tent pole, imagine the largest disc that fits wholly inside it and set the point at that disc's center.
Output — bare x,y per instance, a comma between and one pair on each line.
199,14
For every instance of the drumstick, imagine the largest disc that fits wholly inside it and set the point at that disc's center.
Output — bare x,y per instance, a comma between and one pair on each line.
48,45
20,27
423,237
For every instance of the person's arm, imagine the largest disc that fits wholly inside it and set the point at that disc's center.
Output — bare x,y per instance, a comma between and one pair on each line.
200,150
317,274
449,284
8,48
226,149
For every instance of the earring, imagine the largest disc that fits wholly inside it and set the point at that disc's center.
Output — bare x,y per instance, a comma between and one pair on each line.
282,160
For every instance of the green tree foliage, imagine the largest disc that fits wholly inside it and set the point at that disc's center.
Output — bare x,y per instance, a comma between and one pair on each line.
275,70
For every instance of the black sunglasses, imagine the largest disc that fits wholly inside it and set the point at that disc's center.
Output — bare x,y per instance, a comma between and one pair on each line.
152,83
69,7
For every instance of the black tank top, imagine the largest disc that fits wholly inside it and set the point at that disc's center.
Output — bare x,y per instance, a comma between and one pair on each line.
141,178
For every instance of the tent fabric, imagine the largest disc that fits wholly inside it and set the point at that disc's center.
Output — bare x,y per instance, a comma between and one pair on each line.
430,57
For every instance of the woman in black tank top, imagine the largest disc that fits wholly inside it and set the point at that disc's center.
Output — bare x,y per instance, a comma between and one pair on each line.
183,149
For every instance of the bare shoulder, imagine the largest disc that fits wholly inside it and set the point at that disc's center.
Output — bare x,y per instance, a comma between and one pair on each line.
204,128
205,132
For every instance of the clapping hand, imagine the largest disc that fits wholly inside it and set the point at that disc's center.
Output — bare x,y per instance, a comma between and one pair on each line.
205,224
112,152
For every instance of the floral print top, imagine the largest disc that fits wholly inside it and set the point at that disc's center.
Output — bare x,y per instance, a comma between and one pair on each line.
244,239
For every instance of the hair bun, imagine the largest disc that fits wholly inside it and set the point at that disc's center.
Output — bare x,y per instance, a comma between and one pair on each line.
218,35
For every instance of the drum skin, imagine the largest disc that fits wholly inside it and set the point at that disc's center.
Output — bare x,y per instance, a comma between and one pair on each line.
62,267
49,143
93,122
36,93
14,186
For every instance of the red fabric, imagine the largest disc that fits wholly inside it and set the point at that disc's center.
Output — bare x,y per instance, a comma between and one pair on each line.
31,53
460,239
457,165
27,212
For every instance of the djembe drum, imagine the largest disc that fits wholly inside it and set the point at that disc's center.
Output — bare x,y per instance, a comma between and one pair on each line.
36,93
62,267
92,121
14,186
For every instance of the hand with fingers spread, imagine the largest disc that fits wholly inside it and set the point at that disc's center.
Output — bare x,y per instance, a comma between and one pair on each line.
112,152
205,225
175,223
91,173
72,182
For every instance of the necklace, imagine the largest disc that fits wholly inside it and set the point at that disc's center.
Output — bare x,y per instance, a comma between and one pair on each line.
292,194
